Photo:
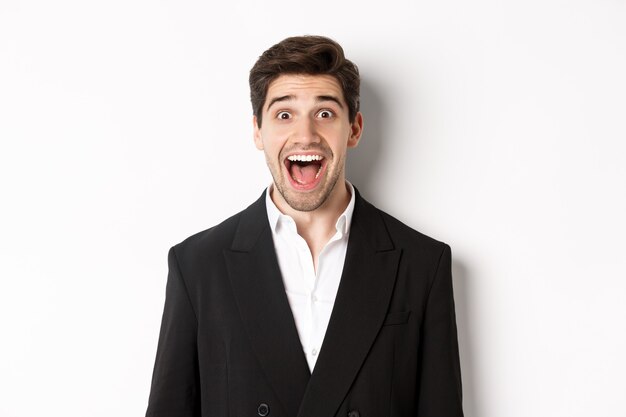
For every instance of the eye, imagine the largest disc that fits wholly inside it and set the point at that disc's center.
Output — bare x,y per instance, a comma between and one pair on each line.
283,115
325,114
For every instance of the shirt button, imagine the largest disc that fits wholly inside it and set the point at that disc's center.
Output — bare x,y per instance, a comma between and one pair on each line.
263,410
314,352
313,298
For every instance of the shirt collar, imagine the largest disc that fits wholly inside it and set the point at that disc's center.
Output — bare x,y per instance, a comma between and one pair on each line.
275,217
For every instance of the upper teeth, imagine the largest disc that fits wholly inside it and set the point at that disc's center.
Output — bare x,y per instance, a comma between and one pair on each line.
305,158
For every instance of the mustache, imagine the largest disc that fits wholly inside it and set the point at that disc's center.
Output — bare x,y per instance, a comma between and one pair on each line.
319,148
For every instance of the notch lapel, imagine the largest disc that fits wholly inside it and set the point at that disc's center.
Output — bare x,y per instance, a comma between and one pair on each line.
365,290
262,302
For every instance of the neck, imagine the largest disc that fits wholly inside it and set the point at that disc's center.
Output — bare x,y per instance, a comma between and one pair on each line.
317,226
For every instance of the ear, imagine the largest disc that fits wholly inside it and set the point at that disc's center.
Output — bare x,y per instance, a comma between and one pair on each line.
356,131
258,140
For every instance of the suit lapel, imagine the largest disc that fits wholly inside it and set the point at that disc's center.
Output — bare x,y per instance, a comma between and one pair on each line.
264,308
360,308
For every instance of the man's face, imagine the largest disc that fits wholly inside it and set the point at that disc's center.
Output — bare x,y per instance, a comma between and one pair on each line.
305,134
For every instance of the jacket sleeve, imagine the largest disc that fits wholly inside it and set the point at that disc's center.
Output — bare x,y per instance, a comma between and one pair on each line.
175,382
439,389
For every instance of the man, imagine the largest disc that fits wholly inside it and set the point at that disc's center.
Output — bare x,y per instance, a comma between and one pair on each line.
311,302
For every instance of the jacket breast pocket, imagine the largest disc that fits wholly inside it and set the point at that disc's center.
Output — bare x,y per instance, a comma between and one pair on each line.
397,317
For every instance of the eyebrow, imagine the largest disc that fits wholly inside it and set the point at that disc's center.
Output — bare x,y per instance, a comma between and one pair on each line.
318,99
279,99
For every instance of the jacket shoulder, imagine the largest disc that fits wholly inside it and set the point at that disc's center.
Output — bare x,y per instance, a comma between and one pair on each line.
408,238
218,236
213,241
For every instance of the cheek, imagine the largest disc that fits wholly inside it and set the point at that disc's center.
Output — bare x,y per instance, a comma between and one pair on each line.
272,149
276,135
339,140
332,133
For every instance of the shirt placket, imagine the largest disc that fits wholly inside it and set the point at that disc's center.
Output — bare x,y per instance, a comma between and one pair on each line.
310,277
316,336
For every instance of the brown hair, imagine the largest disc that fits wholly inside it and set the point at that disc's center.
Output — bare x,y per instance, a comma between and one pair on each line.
311,55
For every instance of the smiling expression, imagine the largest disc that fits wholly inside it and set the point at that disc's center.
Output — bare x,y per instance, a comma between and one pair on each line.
305,135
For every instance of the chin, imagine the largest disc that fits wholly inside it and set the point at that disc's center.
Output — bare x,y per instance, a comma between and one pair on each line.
303,201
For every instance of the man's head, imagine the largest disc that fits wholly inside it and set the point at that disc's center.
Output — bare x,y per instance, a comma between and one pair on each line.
310,55
305,97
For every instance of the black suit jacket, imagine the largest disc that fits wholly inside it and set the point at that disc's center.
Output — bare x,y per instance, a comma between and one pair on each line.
229,345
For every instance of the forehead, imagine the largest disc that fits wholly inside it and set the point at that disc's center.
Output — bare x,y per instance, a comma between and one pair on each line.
304,87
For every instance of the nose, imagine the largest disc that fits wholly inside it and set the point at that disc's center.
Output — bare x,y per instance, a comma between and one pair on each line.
305,132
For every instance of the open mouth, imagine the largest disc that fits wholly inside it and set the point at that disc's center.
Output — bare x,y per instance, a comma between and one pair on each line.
305,170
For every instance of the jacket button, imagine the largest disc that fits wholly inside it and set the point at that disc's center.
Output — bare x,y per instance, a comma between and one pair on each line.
263,409
354,413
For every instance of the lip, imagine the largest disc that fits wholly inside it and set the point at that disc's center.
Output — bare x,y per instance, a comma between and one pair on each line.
304,187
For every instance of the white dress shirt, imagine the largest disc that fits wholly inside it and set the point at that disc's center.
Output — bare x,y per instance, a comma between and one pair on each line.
311,293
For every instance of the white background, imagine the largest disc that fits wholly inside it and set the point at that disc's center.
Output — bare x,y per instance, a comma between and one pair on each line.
495,126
